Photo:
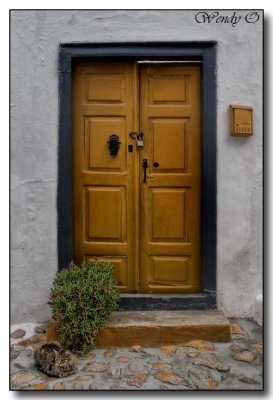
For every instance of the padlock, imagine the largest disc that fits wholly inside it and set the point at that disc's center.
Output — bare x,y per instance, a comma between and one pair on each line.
138,138
139,141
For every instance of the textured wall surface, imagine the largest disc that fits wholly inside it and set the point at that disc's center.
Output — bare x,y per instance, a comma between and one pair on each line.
35,36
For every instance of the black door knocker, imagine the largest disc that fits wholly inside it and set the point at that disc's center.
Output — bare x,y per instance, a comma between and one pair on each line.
113,145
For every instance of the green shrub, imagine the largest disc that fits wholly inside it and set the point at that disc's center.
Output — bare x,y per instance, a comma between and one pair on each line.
82,299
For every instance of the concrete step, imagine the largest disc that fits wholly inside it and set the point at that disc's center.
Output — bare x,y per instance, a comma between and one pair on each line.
157,328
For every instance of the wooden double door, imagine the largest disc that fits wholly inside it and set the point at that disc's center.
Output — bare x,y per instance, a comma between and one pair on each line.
137,172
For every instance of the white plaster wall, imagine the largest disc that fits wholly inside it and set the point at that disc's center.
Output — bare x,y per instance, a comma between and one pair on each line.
35,36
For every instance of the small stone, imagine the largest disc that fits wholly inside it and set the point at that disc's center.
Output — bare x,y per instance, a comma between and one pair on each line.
123,359
210,360
258,347
116,373
39,386
192,354
40,329
163,387
202,379
18,365
136,348
169,377
237,330
21,378
200,345
35,341
246,356
59,386
18,334
92,387
78,386
81,378
168,349
135,366
13,357
114,387
182,349
144,354
235,347
159,365
96,367
117,387
110,352
137,379
248,380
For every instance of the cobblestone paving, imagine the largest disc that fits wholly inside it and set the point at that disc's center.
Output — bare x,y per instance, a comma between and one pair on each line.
197,365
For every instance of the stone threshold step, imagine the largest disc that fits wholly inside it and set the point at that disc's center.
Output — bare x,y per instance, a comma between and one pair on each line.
157,328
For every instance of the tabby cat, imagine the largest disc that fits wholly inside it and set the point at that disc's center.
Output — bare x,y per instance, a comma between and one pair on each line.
54,360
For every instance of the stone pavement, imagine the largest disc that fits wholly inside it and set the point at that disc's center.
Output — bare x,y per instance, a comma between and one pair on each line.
197,365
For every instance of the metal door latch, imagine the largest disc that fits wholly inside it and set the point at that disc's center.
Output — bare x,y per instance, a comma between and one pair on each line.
145,165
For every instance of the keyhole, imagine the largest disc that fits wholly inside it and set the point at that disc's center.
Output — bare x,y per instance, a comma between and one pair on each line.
156,164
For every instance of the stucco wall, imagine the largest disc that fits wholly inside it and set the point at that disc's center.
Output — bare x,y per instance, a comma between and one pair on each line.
35,36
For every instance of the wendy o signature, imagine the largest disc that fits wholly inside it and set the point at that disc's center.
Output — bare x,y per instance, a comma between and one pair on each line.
204,17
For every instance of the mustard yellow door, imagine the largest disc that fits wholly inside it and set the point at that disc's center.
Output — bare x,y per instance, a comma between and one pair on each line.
170,197
138,206
104,216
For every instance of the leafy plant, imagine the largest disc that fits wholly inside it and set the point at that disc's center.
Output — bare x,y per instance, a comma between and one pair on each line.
82,299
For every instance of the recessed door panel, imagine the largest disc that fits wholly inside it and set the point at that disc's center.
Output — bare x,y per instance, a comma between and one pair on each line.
169,143
105,213
97,156
105,88
168,271
166,88
168,215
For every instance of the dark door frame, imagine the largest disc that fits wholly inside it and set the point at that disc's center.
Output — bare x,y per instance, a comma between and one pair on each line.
205,52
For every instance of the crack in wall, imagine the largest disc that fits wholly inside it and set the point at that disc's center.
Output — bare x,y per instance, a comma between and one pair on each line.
33,181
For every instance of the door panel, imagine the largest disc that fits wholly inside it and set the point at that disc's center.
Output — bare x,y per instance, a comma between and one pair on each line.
149,231
106,213
96,136
174,157
170,199
169,215
168,271
103,200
